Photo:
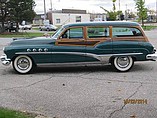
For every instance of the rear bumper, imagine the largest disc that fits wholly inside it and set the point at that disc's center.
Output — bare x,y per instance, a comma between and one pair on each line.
152,56
5,60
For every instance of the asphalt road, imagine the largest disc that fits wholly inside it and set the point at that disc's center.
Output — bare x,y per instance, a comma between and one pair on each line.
82,92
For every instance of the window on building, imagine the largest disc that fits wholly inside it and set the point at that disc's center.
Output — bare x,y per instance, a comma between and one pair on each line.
58,20
98,32
78,18
125,31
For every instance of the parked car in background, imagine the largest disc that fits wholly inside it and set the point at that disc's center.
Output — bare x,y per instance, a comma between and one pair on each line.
25,27
117,43
11,27
49,27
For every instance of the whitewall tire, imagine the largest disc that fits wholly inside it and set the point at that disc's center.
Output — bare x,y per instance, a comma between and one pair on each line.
123,63
23,64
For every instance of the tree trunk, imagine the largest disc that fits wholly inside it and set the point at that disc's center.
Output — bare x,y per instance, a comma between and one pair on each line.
3,27
17,27
142,22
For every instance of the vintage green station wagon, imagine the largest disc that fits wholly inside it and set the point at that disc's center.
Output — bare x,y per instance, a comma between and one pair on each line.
117,43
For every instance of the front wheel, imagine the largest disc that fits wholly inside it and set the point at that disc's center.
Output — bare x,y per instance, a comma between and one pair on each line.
123,63
23,64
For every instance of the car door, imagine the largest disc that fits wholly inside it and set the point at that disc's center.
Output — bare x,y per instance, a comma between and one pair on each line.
70,46
99,44
126,39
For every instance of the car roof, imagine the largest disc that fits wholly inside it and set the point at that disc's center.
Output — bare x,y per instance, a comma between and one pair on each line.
103,23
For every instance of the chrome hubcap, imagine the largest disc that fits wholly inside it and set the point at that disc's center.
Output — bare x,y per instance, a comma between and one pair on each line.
123,62
23,64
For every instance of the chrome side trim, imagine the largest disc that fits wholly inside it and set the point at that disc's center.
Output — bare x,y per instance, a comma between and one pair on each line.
33,53
103,58
152,56
125,54
70,64
72,53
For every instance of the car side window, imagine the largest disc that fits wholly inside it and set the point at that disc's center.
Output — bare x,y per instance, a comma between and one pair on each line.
125,31
98,32
73,33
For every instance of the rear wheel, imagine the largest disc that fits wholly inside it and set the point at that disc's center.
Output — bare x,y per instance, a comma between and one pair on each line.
123,63
23,64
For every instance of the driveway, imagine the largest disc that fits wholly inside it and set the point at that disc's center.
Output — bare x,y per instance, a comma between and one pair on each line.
82,92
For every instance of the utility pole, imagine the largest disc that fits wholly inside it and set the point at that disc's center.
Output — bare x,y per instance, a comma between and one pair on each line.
126,13
156,10
51,4
44,10
51,15
119,5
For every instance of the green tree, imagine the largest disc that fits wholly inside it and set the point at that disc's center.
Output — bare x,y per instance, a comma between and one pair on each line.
22,10
3,13
142,11
111,14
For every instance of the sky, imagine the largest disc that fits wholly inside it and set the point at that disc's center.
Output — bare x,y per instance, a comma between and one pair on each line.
92,6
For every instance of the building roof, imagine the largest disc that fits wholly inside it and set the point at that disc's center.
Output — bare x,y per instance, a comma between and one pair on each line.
74,11
69,11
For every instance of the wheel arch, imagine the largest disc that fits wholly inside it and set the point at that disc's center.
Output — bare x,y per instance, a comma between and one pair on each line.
30,67
116,63
112,58
33,61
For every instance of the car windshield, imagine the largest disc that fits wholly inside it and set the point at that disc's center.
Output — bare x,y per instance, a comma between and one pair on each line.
57,33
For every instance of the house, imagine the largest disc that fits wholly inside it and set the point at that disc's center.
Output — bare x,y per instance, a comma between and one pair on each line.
64,16
98,17
38,20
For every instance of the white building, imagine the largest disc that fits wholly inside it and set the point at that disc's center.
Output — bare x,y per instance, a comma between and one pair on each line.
65,16
98,17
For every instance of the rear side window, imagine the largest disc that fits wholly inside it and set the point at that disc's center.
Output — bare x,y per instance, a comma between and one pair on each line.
125,32
98,32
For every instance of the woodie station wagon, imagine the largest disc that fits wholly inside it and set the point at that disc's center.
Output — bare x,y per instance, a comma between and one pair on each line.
118,43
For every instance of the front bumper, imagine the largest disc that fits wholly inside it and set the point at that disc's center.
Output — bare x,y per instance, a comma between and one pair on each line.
152,56
5,60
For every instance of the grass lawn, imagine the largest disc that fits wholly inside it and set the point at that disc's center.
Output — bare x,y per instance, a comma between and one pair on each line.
35,28
20,34
148,28
6,113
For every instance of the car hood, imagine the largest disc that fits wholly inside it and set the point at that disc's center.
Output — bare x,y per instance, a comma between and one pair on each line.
33,41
